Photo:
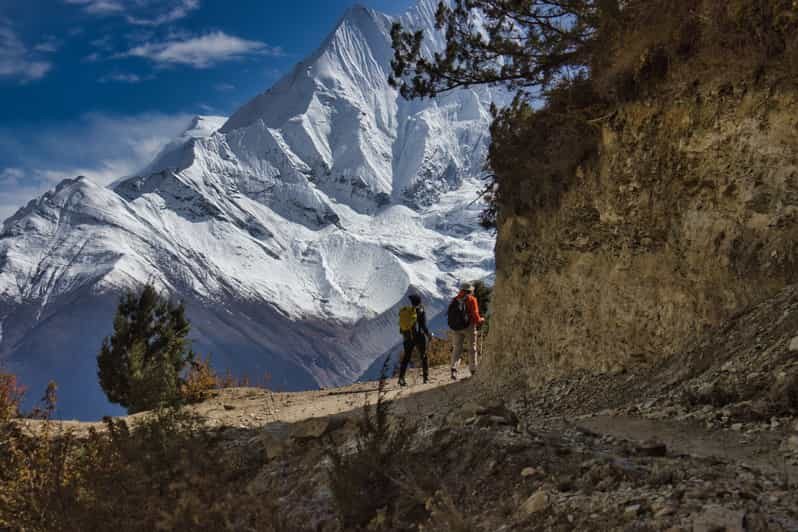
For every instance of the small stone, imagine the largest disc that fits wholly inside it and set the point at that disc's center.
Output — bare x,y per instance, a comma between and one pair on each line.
617,370
529,472
714,518
794,344
632,511
229,407
311,429
792,442
665,512
538,502
737,427
652,448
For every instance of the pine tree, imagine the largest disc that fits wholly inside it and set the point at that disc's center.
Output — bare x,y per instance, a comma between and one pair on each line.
527,45
140,365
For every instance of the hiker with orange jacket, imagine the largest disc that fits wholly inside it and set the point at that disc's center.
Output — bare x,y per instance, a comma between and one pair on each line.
464,320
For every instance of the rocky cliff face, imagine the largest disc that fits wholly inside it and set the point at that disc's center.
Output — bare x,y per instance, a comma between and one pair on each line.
688,214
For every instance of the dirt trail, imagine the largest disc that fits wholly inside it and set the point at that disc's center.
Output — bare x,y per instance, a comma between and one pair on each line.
253,408
690,439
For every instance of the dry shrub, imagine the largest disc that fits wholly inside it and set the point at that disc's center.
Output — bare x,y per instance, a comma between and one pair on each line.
535,153
165,472
363,482
201,380
173,477
735,37
11,394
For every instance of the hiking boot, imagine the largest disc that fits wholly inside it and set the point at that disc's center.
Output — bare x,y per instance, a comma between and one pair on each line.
454,374
402,382
426,380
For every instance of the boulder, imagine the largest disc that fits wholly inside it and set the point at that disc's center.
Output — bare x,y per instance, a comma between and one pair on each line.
538,502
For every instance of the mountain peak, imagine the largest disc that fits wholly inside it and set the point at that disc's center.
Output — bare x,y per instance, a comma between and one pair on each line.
314,209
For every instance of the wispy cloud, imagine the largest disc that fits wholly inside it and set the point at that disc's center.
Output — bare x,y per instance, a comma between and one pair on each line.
120,77
48,45
203,51
10,177
224,87
172,13
99,7
140,12
99,146
16,61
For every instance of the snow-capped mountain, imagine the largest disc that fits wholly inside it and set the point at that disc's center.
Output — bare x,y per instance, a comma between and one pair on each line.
292,231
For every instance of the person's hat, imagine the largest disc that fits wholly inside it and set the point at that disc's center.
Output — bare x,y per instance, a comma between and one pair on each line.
467,287
415,299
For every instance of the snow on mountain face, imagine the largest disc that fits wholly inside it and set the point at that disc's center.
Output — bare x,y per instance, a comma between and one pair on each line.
292,231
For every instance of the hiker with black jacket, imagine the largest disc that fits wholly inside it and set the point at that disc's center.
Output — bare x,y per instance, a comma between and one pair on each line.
413,326
464,320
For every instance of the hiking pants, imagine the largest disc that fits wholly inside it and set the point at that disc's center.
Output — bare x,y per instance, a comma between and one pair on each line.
467,336
419,342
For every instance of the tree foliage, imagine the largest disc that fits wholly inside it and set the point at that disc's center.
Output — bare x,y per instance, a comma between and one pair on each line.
140,365
521,44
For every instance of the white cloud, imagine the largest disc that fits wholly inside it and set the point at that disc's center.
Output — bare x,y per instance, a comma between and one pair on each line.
10,177
203,51
16,61
140,12
222,87
12,199
172,13
103,43
48,46
99,146
124,78
99,7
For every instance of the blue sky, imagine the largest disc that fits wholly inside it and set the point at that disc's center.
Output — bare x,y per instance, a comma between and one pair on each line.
95,87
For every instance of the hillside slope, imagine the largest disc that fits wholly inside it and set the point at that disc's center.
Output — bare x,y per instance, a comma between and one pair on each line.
688,214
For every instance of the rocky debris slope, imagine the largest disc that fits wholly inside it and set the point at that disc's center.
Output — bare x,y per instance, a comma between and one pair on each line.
490,465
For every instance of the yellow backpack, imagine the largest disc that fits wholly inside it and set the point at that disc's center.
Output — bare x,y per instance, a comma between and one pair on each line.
407,319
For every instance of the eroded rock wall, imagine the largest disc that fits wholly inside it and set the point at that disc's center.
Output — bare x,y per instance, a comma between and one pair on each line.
689,213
